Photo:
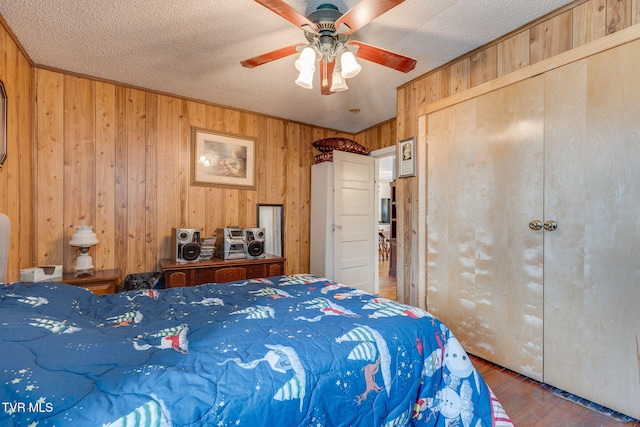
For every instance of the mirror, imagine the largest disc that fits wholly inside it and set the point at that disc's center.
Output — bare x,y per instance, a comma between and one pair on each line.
271,218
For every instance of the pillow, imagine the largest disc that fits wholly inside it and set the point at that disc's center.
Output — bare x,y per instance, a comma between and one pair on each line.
323,157
341,144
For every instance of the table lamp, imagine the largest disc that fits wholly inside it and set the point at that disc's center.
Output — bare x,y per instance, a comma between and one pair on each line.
83,239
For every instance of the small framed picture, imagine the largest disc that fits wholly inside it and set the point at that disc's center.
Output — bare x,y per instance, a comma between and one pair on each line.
222,160
407,158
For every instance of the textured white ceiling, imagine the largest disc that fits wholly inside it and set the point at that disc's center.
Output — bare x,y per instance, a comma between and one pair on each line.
193,48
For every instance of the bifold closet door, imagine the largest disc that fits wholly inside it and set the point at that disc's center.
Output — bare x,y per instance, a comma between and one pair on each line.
485,185
592,261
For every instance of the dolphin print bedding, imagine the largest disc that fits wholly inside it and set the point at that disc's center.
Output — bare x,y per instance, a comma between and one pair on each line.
292,350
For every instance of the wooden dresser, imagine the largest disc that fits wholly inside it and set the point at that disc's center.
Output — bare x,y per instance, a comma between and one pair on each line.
217,270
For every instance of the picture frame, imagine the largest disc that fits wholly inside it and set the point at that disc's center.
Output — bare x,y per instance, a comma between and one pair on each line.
222,159
3,124
406,158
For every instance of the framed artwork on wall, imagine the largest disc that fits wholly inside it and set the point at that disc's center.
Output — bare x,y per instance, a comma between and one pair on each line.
3,124
407,158
222,159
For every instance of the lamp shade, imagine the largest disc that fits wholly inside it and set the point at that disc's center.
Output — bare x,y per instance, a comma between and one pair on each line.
83,237
305,79
350,67
338,83
307,60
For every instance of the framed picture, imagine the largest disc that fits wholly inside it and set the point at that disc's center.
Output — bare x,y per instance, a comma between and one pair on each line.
3,124
222,160
407,158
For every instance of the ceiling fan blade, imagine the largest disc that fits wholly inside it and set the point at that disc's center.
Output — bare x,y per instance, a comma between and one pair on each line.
326,76
364,12
384,57
271,56
290,14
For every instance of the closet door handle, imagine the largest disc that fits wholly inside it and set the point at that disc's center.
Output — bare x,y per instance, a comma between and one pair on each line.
535,225
550,225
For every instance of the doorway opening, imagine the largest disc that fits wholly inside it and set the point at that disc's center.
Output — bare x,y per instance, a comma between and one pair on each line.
385,167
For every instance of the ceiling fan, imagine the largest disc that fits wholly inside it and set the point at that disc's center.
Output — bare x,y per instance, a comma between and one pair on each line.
328,34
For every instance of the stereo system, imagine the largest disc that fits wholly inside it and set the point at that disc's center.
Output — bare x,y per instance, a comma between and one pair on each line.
185,244
231,243
239,243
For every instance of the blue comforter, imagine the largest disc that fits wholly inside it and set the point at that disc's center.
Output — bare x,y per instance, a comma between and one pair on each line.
290,350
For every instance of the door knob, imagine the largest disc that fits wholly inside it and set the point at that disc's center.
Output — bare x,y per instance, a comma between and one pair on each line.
550,225
535,225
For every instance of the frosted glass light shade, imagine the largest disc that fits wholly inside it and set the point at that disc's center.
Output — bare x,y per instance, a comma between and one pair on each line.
305,79
350,67
307,60
84,236
338,83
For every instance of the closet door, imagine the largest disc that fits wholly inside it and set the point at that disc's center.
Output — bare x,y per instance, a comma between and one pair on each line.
592,261
485,185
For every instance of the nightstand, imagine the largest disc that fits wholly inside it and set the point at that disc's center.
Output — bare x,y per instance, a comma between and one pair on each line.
102,282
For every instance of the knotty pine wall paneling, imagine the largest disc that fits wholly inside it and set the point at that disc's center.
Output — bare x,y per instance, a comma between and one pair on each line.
105,174
380,136
78,166
118,158
48,209
16,175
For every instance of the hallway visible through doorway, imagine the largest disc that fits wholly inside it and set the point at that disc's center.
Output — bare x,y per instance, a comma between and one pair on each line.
385,175
387,283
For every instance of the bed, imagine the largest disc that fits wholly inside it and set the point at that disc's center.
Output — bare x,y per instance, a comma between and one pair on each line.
291,350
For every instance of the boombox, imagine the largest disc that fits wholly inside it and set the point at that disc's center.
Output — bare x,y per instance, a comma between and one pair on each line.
185,244
239,243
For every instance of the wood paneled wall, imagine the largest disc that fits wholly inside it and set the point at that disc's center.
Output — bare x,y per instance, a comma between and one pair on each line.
16,183
118,158
572,26
379,136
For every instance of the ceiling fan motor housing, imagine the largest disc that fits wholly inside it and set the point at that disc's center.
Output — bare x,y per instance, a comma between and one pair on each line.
326,37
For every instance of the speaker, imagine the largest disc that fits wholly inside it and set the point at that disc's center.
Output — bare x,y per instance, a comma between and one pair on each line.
185,244
254,241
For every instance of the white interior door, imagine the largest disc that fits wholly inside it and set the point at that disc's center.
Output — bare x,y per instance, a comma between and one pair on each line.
355,221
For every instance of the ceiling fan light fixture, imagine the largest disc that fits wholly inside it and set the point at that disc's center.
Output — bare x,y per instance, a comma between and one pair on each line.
350,67
305,79
338,83
307,60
